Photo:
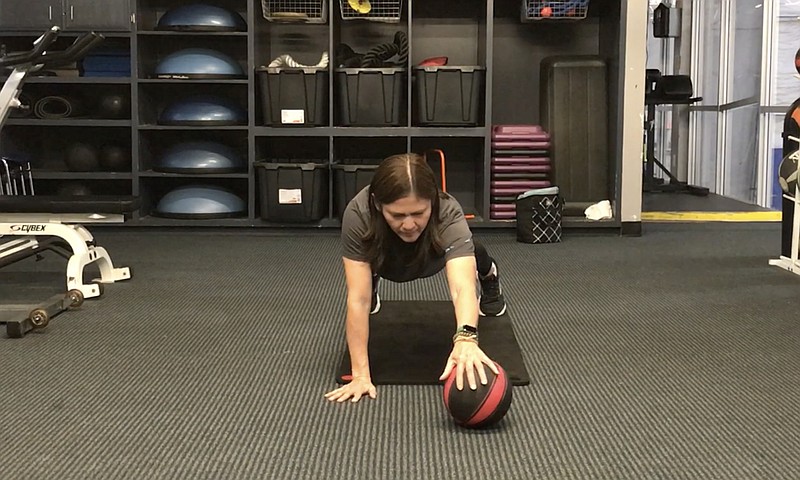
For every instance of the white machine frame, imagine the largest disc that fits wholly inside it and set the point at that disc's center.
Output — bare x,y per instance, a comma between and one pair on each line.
26,227
84,252
790,263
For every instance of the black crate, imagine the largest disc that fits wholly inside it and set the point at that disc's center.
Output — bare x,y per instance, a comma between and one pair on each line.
292,192
348,180
286,91
449,95
371,97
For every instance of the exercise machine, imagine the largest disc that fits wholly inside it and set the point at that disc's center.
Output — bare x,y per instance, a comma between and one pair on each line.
31,224
792,194
665,90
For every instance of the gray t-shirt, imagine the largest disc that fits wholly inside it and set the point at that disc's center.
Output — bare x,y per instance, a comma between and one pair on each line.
453,229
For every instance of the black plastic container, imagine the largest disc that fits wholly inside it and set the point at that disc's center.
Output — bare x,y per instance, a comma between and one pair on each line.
371,97
449,95
292,192
286,92
348,180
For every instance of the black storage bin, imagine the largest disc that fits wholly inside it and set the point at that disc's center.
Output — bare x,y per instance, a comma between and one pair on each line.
292,192
539,214
574,110
449,95
348,180
371,97
286,91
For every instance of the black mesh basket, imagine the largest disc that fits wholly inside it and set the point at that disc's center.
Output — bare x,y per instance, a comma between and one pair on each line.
299,11
537,10
384,11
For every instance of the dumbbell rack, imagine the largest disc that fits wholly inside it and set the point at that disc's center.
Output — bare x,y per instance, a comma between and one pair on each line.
520,162
790,263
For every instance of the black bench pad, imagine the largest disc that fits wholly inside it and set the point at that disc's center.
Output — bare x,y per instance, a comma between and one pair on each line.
109,204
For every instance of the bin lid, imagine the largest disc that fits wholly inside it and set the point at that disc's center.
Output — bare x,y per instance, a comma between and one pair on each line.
573,61
462,68
278,165
383,70
353,167
276,70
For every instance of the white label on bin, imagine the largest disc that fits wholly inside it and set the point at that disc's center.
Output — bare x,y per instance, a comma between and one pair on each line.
293,116
290,196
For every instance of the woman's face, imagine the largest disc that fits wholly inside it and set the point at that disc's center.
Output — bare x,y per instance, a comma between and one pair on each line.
407,217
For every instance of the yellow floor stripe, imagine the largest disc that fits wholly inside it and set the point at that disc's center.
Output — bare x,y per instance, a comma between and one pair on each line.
763,216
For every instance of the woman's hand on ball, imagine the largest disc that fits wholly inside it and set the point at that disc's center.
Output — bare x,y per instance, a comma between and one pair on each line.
467,357
354,390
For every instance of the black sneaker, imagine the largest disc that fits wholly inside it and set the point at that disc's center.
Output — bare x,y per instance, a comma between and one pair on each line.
492,303
375,307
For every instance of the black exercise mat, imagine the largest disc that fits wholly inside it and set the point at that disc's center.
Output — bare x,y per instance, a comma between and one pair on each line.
409,343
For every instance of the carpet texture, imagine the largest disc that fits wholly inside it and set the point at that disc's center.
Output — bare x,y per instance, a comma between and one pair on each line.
675,355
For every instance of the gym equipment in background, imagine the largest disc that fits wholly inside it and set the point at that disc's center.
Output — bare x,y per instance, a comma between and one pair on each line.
113,106
539,212
201,17
287,61
82,157
25,109
349,179
788,180
574,111
791,128
295,11
482,407
200,202
380,56
292,192
198,63
200,157
554,10
360,6
449,95
31,224
382,11
115,158
666,21
203,110
106,62
520,162
57,106
294,95
665,90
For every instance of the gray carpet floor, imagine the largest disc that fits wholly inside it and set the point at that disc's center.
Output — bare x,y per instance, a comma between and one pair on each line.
675,355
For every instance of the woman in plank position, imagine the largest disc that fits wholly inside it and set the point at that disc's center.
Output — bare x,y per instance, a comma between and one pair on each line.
403,227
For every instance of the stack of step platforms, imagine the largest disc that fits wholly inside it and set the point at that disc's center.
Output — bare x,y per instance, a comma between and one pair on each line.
520,162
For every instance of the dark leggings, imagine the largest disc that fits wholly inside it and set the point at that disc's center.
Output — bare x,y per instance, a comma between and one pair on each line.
482,259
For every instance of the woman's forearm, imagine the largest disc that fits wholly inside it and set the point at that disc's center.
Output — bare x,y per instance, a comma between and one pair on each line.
357,332
465,302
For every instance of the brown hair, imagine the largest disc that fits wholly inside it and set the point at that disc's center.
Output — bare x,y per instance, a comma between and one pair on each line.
397,177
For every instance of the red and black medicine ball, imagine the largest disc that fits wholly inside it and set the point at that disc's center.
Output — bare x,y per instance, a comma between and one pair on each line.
481,407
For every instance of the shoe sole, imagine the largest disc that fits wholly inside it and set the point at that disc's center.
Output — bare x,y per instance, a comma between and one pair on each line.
497,315
377,305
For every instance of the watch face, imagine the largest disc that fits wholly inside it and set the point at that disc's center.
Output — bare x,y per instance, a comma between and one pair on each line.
469,328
